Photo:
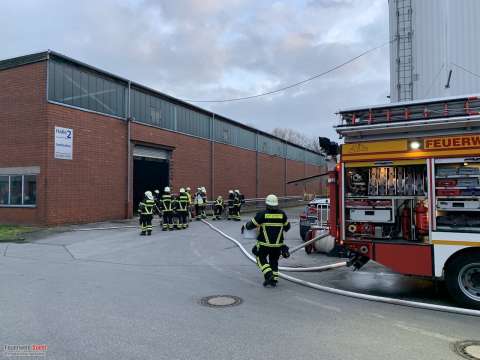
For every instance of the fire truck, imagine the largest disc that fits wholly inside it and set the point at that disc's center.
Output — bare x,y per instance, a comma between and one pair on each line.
405,191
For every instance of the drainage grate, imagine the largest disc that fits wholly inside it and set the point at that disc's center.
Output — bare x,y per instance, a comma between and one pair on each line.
221,301
468,349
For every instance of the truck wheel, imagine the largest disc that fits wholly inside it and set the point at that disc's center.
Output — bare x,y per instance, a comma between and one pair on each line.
303,232
309,249
463,280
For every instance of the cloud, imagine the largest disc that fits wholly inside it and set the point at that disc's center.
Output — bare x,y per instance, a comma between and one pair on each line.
205,49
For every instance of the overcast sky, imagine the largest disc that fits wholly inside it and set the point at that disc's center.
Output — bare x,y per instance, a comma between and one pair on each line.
216,49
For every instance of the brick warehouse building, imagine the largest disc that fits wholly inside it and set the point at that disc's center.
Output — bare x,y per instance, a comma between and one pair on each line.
78,144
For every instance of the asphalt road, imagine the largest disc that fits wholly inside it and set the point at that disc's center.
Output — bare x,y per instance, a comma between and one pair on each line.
111,294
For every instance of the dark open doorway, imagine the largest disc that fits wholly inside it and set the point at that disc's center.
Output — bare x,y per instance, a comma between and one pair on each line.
148,174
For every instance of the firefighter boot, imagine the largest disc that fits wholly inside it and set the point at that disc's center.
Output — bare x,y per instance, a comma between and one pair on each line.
142,233
268,279
149,232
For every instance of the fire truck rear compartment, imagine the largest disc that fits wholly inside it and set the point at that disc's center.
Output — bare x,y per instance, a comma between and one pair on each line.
387,204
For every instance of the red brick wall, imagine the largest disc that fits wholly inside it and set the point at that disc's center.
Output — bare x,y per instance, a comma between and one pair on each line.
235,168
271,175
295,170
23,124
93,186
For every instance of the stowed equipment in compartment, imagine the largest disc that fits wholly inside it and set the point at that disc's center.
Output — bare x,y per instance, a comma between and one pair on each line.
386,202
457,184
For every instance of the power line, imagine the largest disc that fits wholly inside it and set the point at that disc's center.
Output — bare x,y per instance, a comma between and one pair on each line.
466,70
434,80
297,83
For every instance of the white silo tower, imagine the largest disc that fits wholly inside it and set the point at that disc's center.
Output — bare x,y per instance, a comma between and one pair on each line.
435,52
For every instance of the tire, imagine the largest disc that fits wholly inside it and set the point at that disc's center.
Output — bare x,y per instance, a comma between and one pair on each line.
304,231
463,279
309,249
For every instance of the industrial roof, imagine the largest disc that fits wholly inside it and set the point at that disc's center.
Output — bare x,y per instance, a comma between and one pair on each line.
45,55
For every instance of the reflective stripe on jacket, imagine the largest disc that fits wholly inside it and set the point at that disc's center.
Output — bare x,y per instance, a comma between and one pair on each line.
272,224
146,207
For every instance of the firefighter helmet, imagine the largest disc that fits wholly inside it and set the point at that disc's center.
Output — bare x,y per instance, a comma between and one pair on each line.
188,188
149,195
182,190
167,189
271,200
157,191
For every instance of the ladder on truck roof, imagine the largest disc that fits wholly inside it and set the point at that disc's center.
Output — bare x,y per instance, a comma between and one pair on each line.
434,117
410,111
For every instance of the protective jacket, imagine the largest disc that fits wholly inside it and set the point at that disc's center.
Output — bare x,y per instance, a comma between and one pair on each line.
146,207
166,202
182,202
272,224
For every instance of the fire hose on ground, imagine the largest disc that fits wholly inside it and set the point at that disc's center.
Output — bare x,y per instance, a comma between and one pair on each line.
383,299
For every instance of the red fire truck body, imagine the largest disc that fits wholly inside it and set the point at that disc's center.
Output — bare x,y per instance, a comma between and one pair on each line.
406,190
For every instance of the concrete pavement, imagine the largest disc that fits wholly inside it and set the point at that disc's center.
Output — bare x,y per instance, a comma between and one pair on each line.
115,295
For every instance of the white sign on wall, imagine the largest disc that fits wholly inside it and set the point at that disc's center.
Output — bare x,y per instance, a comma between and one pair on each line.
63,143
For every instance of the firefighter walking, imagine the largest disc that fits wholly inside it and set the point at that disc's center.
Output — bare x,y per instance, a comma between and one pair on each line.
181,207
145,210
271,224
167,209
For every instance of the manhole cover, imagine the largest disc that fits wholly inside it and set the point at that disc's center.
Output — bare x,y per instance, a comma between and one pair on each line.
469,349
221,301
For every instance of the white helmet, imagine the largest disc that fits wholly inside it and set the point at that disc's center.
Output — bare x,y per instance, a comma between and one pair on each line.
271,200
230,191
203,189
182,190
157,191
199,189
237,191
167,189
149,195
188,188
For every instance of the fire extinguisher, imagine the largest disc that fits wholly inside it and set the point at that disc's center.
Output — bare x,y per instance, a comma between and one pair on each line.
406,221
421,218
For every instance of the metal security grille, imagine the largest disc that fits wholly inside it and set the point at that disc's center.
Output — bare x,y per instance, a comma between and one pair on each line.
404,61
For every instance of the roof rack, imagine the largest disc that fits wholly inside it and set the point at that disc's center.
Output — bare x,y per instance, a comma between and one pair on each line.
419,110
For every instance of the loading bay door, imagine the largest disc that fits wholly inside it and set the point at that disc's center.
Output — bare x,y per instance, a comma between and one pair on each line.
150,171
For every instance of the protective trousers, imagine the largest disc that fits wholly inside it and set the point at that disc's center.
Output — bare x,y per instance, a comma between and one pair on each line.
218,212
167,220
236,212
267,261
182,216
146,223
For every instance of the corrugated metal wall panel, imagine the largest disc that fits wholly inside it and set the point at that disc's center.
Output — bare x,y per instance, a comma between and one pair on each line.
444,38
193,123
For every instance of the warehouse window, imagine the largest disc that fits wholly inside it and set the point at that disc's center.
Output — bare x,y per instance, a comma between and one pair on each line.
151,109
18,190
80,87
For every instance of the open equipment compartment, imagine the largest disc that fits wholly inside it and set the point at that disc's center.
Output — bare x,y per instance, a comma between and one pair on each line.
457,188
387,201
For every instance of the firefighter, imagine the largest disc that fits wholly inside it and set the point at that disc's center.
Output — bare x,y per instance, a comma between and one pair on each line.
182,209
230,203
167,209
219,206
272,223
189,194
236,206
204,205
198,202
242,199
145,210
